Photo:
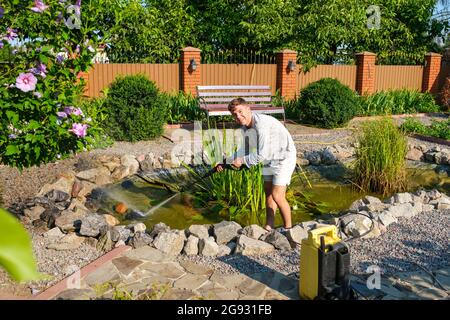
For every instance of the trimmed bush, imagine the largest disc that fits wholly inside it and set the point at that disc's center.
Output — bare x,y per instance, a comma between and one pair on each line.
136,110
326,103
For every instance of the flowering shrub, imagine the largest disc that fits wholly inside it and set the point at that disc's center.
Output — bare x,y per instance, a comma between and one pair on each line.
52,43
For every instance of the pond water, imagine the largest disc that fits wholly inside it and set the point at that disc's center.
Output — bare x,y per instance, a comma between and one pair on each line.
331,191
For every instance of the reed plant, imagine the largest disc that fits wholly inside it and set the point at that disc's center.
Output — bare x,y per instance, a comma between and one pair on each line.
380,164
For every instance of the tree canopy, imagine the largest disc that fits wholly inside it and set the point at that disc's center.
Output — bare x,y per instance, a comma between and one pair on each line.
322,31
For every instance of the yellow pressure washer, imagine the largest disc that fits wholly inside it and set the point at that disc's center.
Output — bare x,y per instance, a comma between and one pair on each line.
324,266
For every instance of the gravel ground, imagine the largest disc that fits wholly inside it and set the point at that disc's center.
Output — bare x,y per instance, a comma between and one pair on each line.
423,239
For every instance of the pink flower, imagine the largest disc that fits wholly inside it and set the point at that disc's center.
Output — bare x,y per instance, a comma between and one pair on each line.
79,129
77,112
10,34
39,6
40,69
26,82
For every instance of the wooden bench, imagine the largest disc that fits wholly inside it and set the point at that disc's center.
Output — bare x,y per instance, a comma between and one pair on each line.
215,99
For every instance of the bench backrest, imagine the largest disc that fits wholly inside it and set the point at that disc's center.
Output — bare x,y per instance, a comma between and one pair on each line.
215,99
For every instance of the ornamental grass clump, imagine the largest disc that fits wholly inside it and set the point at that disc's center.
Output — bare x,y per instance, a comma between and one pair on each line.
380,164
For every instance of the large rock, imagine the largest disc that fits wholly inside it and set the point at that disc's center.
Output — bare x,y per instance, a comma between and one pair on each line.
111,220
276,239
402,197
120,172
357,205
148,162
434,194
355,225
226,231
226,249
50,215
208,247
158,228
77,206
191,246
248,246
34,212
86,188
402,210
328,157
296,234
105,242
130,162
386,218
198,231
57,196
69,220
53,234
171,242
92,174
92,224
442,157
69,242
254,231
140,239
314,157
414,154
120,233
64,183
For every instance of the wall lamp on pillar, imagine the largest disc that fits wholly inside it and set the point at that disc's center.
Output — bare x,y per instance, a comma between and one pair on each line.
192,65
291,65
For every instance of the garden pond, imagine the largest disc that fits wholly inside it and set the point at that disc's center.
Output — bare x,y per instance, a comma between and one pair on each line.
327,189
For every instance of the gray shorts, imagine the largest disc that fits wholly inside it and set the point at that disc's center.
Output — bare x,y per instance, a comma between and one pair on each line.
280,173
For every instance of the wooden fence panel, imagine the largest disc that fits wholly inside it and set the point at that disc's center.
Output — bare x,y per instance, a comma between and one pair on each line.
166,76
398,77
346,74
239,74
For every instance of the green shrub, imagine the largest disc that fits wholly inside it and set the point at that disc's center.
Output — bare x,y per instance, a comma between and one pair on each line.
397,102
380,157
136,109
326,103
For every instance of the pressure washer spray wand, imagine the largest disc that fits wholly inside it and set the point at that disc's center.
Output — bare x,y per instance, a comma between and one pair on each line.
186,187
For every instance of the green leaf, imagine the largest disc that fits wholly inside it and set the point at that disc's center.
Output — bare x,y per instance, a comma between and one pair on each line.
11,149
16,254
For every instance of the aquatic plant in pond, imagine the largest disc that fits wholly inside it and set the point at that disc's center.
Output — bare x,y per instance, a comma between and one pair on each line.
380,164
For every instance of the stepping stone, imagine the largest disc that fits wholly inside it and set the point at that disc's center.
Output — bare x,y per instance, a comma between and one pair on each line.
179,294
251,287
218,294
229,281
194,268
126,265
170,270
190,281
106,273
149,254
76,294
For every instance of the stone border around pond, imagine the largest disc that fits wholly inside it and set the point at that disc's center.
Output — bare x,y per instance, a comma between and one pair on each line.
60,212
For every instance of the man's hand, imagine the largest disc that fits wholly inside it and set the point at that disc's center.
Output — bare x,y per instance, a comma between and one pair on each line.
237,162
219,167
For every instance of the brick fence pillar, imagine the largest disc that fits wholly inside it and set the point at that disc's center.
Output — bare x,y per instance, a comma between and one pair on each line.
365,75
431,70
287,73
190,78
